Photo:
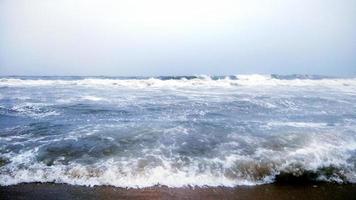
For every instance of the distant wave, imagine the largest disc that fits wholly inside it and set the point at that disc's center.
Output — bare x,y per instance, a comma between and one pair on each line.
232,77
181,81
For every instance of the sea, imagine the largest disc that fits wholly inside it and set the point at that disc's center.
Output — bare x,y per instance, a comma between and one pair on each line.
177,131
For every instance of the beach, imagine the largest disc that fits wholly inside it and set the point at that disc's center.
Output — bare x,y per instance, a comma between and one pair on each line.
269,191
210,100
231,99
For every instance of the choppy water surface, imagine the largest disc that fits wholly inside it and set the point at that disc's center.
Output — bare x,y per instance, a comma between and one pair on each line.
176,131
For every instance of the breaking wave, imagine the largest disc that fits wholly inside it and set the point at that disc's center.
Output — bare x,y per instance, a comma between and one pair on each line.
177,131
182,81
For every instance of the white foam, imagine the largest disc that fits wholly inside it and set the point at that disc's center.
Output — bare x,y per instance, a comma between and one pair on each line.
317,151
36,110
200,82
118,174
92,98
310,150
298,124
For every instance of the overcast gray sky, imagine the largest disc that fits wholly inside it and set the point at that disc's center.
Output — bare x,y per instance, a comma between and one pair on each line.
177,37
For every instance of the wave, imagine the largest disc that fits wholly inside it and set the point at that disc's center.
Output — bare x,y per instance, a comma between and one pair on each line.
327,158
121,174
178,130
181,81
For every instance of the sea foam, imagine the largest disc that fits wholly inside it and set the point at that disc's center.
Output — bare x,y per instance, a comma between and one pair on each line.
177,131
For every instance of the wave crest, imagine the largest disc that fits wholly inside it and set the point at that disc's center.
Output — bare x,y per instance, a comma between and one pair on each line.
183,81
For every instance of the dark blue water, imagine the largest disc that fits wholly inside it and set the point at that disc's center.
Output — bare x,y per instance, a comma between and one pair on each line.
176,131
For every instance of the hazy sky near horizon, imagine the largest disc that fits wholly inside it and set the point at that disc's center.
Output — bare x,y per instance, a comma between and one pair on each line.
177,37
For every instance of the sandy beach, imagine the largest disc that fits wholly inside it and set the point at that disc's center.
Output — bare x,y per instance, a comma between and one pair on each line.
270,191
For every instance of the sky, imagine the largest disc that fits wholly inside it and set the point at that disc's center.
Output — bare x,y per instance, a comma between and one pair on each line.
177,37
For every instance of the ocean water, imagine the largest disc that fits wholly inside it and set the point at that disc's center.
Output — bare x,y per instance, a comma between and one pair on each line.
177,131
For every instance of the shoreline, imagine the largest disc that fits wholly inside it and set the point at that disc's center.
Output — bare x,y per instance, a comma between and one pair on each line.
317,191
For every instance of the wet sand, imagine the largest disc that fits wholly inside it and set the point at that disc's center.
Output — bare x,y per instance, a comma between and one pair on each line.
272,191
